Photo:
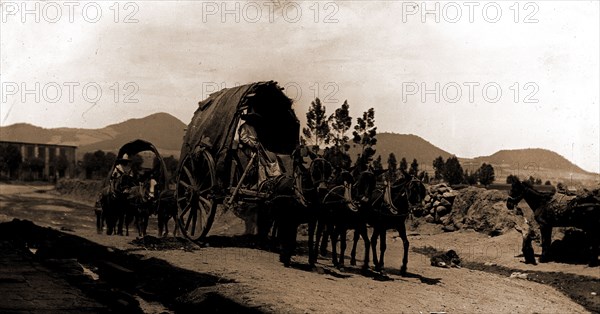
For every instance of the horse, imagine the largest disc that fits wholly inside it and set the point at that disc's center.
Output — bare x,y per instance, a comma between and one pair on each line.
345,208
390,205
559,210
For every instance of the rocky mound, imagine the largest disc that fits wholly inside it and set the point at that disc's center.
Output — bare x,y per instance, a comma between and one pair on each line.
437,203
482,210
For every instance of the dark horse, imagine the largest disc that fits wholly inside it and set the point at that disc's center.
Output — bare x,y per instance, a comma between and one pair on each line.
558,210
390,205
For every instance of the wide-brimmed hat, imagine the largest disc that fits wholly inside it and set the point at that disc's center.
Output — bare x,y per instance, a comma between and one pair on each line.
125,158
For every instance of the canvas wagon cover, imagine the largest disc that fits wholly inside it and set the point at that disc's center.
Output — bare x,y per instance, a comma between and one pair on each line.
137,146
215,121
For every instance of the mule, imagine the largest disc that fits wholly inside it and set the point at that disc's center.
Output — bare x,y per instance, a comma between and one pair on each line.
559,210
390,205
292,201
345,208
166,209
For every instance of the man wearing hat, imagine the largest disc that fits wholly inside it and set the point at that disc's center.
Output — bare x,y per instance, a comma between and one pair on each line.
121,176
123,166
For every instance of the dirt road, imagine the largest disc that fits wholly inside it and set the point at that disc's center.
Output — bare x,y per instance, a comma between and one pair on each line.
255,279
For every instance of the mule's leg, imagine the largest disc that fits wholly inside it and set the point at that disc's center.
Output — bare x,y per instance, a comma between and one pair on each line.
546,232
354,243
327,233
334,239
287,235
365,235
312,252
382,248
320,232
343,235
406,243
374,247
120,221
162,225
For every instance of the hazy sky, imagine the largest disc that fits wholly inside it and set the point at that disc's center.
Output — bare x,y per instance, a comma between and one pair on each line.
379,54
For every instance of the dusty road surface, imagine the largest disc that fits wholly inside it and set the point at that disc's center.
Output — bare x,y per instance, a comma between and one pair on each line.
229,274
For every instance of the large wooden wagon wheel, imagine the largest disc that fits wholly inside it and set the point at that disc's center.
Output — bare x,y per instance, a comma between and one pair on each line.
196,206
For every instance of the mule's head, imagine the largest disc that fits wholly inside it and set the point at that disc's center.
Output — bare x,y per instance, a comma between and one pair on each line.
516,194
320,173
416,191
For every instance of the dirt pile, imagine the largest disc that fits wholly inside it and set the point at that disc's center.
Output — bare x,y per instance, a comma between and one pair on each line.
85,190
437,203
482,210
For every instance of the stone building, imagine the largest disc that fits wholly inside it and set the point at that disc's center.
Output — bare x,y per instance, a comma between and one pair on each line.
58,160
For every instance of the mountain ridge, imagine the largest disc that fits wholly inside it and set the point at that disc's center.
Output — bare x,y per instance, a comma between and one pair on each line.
166,133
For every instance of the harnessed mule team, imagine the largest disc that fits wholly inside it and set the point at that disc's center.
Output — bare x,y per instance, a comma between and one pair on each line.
241,150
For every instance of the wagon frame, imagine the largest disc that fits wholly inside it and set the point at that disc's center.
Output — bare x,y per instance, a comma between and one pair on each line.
210,170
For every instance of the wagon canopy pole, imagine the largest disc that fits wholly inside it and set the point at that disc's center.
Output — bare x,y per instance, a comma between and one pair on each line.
239,185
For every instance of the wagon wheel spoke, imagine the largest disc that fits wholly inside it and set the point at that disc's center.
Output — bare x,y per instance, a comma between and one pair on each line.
189,219
205,203
185,210
189,174
194,215
185,184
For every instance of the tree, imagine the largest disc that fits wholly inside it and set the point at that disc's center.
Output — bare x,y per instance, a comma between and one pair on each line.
10,159
453,171
35,166
471,178
365,131
98,163
424,176
547,182
486,174
317,126
377,164
340,122
171,163
392,165
414,167
61,164
438,166
538,181
512,178
403,165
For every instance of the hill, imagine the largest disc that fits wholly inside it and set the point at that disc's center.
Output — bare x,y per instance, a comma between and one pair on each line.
532,157
408,146
162,129
536,162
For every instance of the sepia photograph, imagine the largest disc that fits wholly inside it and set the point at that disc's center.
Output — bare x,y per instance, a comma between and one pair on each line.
299,156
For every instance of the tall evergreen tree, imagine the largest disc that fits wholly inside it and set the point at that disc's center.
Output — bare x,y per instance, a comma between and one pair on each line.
438,166
339,122
403,165
414,167
486,174
317,128
392,165
453,171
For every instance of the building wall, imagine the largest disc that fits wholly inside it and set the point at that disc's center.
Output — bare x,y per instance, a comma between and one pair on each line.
49,154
